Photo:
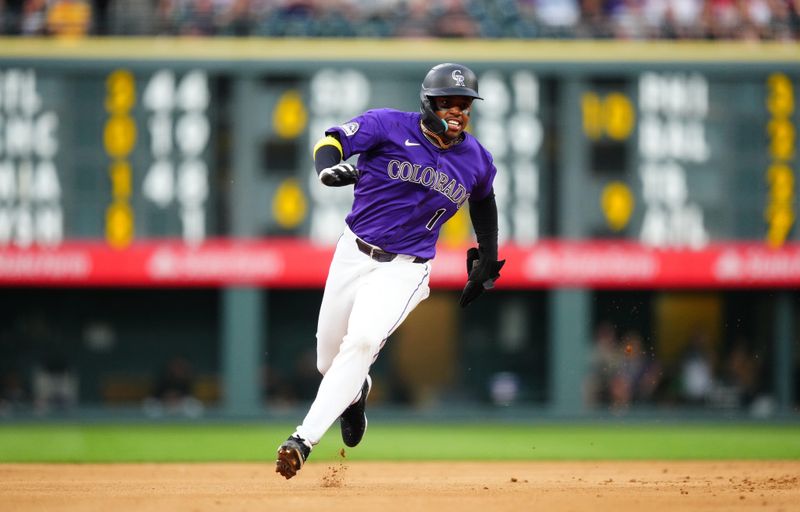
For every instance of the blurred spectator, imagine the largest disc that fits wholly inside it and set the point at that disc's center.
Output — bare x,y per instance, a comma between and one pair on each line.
593,23
336,19
723,19
605,385
524,24
741,371
197,18
32,21
627,19
69,18
291,18
452,20
414,20
173,393
6,17
786,19
622,372
641,372
697,369
558,18
756,19
54,385
794,16
167,17
235,18
527,19
132,17
773,19
12,392
683,19
288,385
378,18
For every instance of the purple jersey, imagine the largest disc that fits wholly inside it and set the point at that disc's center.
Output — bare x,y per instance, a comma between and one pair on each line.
409,187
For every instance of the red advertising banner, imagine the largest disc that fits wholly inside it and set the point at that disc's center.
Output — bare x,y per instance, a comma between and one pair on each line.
298,263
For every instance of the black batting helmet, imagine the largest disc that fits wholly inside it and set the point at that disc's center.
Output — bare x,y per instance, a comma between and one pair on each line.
447,79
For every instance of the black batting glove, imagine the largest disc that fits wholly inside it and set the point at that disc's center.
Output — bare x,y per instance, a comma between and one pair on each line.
482,273
339,175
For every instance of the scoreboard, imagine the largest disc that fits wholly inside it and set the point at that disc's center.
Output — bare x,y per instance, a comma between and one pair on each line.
105,155
132,163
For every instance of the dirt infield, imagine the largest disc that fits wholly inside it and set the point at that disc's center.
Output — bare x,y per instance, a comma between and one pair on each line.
350,486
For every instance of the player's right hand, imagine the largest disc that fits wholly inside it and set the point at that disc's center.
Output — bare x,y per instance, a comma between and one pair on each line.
339,175
482,273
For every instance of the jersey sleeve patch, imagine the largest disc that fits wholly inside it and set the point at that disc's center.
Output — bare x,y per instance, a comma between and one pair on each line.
350,129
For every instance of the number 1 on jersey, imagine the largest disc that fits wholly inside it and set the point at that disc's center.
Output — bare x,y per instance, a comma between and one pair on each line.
435,218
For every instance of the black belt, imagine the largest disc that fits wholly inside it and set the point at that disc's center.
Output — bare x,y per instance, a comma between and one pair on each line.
379,255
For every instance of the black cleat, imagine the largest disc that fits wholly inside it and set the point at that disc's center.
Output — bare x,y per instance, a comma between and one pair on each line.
291,456
353,420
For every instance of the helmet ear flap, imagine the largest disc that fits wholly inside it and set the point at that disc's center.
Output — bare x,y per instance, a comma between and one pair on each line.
429,118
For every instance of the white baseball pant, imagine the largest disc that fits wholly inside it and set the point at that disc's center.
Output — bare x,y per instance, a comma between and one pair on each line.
363,303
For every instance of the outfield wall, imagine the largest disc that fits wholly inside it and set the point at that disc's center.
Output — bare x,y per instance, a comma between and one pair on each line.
158,200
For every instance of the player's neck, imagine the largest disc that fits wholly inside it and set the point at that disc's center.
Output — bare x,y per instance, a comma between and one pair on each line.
440,141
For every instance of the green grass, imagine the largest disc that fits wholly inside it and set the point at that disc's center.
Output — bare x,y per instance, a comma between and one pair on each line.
253,442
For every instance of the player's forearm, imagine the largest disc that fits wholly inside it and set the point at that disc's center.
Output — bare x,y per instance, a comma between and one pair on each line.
327,153
484,221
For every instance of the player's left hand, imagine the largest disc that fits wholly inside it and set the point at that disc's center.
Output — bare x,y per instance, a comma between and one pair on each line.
339,175
482,273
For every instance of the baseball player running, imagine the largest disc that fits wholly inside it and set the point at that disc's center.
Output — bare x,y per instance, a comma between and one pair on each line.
414,171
